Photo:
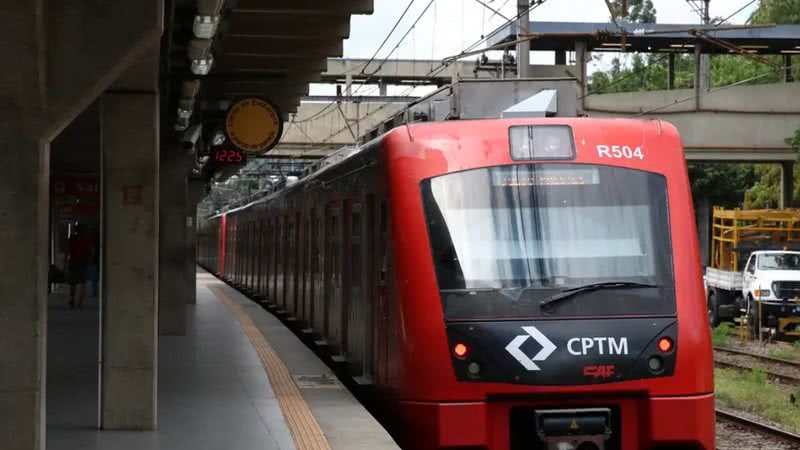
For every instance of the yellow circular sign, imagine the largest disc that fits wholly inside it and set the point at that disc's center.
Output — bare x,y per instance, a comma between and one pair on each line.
254,125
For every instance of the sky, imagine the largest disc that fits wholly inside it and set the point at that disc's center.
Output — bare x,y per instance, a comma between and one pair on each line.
448,26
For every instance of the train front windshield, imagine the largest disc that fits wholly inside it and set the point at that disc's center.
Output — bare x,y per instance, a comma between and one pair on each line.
507,239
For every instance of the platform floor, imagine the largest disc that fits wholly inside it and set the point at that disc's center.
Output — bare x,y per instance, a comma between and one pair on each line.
213,389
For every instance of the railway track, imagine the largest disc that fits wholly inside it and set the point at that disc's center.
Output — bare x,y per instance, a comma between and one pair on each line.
784,379
760,428
766,359
779,370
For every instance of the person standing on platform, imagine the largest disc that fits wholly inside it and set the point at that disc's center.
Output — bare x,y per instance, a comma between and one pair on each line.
80,255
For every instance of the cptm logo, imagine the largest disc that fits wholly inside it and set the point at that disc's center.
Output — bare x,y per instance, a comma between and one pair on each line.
513,348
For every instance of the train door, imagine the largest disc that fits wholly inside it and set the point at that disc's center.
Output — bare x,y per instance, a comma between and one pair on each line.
237,277
262,259
289,259
302,243
333,285
279,265
258,257
357,322
252,255
247,267
368,276
271,249
220,260
308,280
381,313
232,255
318,313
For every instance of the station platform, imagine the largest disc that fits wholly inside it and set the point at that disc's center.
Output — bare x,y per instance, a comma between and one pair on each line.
238,380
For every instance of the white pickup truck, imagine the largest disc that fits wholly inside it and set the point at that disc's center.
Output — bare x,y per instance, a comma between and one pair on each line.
771,278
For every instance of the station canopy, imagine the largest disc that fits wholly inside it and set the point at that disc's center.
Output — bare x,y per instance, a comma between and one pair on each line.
654,37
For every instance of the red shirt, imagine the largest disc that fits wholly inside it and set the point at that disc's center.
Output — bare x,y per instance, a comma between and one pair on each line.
80,248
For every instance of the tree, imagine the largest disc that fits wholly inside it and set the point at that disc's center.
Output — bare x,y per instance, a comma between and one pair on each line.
639,11
757,186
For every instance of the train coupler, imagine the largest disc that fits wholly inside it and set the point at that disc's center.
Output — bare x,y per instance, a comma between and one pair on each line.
572,429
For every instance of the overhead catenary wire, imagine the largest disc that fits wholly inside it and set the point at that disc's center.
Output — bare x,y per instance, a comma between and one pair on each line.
446,63
738,11
386,39
413,26
380,65
492,9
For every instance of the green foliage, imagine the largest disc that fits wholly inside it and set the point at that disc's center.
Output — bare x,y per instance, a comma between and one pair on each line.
724,184
639,11
777,11
729,185
766,191
790,352
753,393
721,335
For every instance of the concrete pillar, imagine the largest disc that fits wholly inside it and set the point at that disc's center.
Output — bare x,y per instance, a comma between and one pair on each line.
580,63
173,292
196,193
787,184
348,85
130,198
23,284
523,48
382,88
671,71
703,215
702,72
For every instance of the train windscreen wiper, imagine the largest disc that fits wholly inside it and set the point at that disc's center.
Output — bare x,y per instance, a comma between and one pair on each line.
567,293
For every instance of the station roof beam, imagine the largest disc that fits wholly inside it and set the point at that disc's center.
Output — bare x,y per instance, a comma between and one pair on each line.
654,37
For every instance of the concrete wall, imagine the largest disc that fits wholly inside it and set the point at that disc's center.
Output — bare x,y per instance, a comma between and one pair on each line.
748,123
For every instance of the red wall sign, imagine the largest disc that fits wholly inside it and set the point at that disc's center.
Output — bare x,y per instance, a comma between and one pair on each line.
62,186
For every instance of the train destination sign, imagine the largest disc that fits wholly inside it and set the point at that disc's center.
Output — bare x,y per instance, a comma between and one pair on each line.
253,125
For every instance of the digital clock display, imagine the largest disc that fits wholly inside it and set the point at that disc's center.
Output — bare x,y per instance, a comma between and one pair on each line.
229,156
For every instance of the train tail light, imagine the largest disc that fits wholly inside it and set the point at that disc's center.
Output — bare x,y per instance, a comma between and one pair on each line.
665,344
460,350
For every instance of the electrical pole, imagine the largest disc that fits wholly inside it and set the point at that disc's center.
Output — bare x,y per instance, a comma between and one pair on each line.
523,48
705,60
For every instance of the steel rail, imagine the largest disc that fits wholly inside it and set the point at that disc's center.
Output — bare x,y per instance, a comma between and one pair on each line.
769,359
759,427
785,379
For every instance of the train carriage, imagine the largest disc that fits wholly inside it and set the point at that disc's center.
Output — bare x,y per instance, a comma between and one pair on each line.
503,284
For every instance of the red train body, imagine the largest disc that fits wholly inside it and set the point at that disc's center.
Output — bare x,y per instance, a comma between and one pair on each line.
503,284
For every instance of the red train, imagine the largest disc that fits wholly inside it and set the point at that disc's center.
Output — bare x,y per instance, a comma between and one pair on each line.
503,284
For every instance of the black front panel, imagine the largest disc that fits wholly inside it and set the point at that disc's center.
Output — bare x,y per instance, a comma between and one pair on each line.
563,352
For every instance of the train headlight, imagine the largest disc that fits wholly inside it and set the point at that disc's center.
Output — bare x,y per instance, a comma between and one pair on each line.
474,368
655,364
530,142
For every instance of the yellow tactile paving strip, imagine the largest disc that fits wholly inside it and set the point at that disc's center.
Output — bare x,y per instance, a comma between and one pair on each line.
305,429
